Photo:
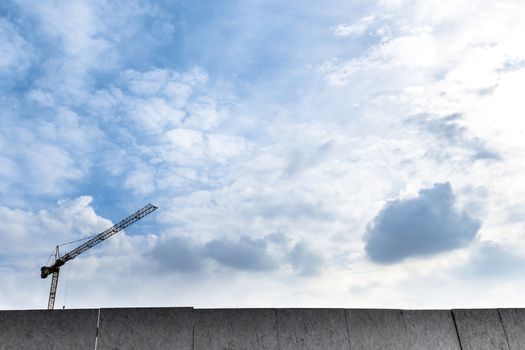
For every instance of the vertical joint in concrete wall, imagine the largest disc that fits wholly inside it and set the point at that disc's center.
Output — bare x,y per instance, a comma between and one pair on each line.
96,333
456,328
504,330
277,329
348,331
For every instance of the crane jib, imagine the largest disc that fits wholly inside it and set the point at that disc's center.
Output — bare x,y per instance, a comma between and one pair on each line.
109,232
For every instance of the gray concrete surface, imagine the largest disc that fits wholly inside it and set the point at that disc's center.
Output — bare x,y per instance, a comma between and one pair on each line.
373,329
480,329
263,329
513,321
431,329
239,329
48,330
145,328
312,329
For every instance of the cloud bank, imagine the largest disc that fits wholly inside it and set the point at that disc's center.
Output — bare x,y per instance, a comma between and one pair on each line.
270,253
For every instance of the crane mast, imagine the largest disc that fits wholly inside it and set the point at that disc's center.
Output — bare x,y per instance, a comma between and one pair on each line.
54,269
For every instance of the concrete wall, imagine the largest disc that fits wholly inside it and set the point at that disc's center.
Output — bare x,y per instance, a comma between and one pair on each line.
263,329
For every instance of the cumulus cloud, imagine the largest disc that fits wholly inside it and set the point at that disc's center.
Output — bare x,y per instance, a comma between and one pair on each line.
26,231
421,226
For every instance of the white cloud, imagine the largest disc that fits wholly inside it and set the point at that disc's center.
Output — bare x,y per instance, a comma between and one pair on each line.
158,100
168,126
356,29
79,33
46,155
85,37
186,139
147,84
31,234
156,114
16,51
141,180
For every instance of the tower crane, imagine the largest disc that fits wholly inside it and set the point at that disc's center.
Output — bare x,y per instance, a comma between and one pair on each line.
54,268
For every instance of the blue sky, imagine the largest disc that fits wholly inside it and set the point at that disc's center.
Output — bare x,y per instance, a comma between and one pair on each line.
343,154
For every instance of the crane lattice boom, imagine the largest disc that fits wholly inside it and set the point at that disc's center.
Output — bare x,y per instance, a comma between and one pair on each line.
54,269
109,232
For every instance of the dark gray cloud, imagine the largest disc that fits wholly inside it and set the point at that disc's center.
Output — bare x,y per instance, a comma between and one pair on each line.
248,254
424,225
449,130
178,254
245,254
305,260
492,260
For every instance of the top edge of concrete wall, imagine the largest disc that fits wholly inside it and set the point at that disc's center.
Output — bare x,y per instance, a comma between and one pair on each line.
263,308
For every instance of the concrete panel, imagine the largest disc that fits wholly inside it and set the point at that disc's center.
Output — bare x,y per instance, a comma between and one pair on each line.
431,329
312,329
480,329
48,329
145,328
239,329
377,329
514,325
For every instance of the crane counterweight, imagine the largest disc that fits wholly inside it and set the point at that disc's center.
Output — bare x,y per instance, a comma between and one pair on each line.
54,269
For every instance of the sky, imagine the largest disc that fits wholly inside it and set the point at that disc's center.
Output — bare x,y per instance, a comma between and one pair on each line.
301,153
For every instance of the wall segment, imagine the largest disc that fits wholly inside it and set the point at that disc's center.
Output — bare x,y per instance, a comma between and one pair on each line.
48,329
